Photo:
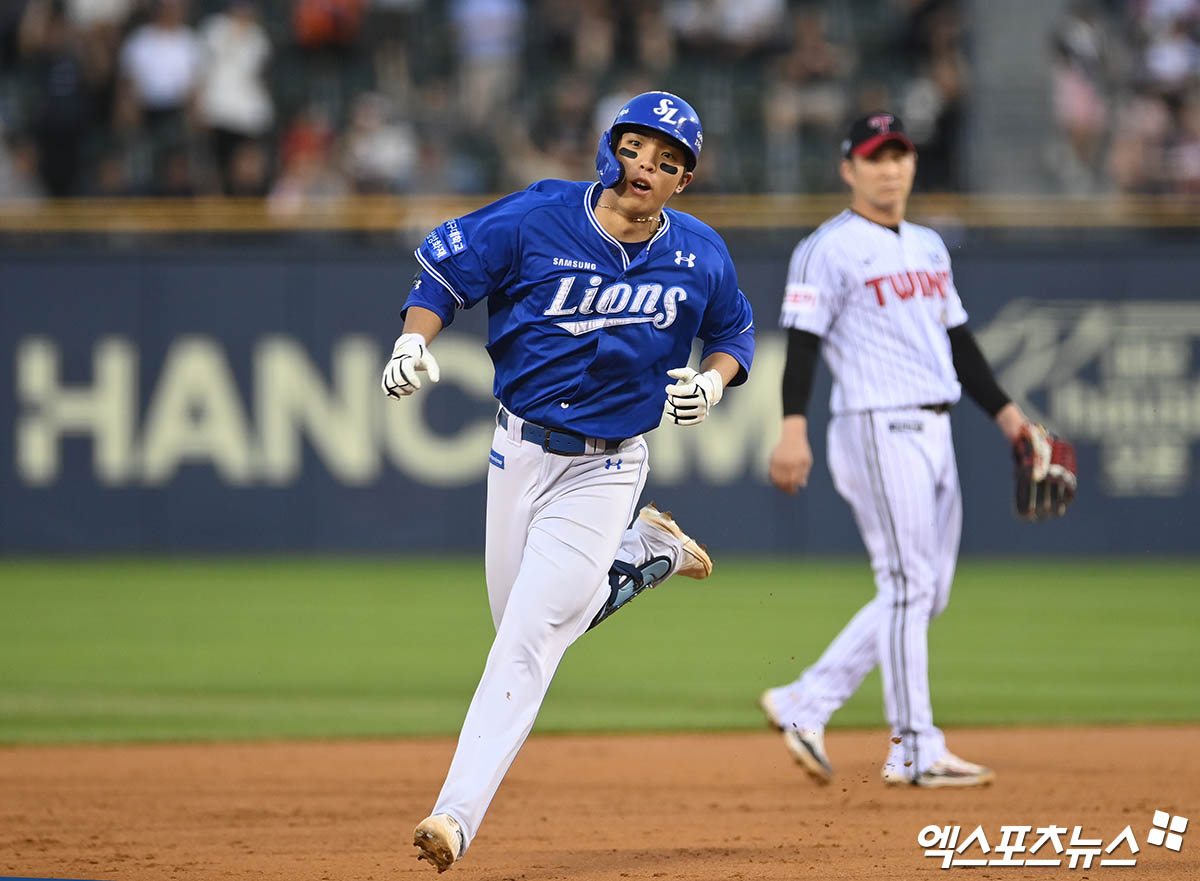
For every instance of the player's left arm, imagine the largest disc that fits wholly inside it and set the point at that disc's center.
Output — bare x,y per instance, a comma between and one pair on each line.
727,329
979,382
724,364
974,372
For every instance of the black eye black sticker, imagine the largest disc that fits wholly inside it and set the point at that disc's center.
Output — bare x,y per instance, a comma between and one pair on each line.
627,153
669,169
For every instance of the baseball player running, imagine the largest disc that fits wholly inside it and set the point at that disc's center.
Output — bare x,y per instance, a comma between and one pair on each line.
876,295
595,292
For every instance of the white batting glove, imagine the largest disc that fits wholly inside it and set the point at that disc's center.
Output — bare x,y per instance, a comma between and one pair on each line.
409,355
690,399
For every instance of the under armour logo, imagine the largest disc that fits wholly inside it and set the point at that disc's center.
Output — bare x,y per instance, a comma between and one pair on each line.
609,463
881,122
690,259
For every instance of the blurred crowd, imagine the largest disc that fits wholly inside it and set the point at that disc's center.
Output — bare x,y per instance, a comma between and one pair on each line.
298,99
1126,94
295,99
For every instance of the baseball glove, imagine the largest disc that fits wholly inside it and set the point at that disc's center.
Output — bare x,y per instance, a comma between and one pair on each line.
1044,470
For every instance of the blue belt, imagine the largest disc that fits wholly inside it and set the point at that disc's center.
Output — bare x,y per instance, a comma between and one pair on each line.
559,442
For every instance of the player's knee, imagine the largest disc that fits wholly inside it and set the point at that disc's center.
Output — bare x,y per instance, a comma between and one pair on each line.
911,587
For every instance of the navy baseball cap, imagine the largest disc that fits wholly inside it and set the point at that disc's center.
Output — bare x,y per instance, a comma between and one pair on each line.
868,133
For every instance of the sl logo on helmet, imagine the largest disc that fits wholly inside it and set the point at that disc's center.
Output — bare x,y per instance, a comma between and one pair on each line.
666,110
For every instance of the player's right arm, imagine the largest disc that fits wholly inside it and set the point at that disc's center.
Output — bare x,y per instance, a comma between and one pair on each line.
411,355
423,321
462,261
810,302
792,459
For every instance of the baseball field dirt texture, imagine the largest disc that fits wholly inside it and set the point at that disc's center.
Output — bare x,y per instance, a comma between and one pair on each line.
271,719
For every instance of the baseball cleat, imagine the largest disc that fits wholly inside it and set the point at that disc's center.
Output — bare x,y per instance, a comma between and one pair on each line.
440,840
694,562
807,745
947,771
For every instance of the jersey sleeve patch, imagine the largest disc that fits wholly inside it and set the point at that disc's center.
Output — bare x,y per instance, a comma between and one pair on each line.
445,241
799,300
454,235
437,248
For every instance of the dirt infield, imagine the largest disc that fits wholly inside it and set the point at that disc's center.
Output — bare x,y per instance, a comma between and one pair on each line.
694,807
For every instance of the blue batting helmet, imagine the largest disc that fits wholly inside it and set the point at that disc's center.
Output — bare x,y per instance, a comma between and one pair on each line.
660,111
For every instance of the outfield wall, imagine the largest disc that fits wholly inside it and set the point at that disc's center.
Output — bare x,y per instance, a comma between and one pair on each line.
221,398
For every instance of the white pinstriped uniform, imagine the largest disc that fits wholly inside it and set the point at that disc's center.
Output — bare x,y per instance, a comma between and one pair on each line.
882,302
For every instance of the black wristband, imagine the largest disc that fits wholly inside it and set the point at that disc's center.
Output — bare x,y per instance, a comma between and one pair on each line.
974,373
802,353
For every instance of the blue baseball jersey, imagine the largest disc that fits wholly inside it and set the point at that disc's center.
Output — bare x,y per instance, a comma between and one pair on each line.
582,334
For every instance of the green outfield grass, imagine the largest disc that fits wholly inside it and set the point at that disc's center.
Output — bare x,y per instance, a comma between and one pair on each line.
168,649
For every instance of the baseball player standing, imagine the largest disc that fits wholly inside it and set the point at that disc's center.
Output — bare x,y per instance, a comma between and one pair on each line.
595,292
876,295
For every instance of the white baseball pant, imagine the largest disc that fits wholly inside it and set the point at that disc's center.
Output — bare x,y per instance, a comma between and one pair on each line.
896,469
554,526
